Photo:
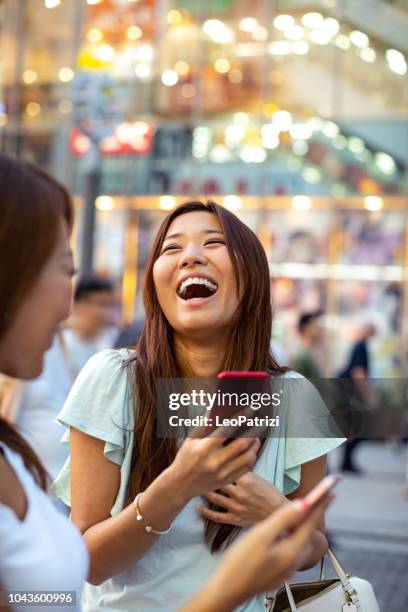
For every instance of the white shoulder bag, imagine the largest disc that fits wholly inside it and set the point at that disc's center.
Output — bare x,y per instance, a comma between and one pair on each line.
346,593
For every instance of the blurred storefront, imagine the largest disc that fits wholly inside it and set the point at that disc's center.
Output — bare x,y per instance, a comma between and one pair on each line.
293,113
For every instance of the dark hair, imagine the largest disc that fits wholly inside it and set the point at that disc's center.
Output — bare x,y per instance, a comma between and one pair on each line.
248,348
92,284
306,318
33,205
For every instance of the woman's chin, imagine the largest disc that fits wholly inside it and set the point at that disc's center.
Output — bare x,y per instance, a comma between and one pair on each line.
201,324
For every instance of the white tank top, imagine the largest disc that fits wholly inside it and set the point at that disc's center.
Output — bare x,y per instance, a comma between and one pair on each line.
44,551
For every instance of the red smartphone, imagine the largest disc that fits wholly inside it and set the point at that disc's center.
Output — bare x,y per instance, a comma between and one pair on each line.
321,490
236,382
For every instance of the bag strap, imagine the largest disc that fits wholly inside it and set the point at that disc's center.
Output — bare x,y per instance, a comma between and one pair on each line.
348,588
291,600
321,574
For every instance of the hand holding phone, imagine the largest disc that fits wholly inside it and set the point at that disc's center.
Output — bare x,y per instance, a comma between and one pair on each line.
236,383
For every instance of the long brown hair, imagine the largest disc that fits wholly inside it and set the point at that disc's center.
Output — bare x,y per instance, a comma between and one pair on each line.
32,204
248,348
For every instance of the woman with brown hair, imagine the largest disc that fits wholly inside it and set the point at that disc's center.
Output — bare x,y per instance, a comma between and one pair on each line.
137,498
39,549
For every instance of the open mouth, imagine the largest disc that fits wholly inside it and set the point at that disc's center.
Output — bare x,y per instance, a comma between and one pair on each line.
196,288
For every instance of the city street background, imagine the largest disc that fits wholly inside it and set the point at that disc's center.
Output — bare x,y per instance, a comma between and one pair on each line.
368,523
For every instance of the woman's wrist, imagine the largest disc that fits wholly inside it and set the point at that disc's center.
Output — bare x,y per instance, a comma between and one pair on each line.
179,488
273,504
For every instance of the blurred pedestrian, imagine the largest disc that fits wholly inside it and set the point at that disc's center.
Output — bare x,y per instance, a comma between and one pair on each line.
94,323
129,335
305,360
358,371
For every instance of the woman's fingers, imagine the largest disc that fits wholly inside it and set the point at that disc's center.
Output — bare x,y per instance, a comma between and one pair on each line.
230,490
234,468
226,518
238,447
224,432
221,500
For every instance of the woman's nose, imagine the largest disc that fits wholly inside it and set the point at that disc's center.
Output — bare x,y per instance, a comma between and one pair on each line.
192,255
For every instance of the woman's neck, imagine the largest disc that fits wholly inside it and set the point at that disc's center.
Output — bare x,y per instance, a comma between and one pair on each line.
199,359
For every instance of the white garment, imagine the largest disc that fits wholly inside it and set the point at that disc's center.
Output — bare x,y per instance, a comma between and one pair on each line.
43,398
40,403
44,551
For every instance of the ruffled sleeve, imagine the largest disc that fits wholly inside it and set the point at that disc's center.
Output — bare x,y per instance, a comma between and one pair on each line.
310,431
100,405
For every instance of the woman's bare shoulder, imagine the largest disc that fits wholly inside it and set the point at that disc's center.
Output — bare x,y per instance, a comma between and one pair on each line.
11,490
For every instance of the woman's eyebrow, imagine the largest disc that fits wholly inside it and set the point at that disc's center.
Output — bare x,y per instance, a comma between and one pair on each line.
207,231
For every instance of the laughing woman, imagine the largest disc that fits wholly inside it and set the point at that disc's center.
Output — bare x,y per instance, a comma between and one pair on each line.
207,309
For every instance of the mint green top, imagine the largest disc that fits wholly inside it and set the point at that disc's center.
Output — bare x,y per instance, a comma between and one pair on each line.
179,563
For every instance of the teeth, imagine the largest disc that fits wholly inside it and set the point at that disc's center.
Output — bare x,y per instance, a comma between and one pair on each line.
196,281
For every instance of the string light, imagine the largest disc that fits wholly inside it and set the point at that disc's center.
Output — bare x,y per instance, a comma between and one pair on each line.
342,42
182,68
282,120
104,203
218,31
50,4
169,78
232,202
33,109
105,53
95,35
373,203
385,163
312,20
29,76
301,202
65,75
368,55
222,65
174,17
300,47
300,131
134,32
283,22
396,61
248,24
143,70
235,76
167,202
359,39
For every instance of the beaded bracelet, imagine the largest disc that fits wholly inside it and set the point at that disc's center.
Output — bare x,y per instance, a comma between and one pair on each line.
140,517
